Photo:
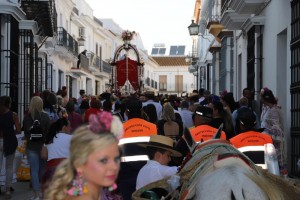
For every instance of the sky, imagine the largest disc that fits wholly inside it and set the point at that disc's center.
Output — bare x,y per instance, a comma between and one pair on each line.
157,21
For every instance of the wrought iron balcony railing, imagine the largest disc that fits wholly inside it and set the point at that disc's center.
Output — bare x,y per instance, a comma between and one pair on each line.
106,67
66,40
147,81
44,13
83,62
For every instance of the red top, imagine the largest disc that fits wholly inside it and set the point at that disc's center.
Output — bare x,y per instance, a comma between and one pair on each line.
75,120
90,111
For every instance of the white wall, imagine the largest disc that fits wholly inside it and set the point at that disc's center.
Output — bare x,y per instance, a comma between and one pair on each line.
171,72
276,74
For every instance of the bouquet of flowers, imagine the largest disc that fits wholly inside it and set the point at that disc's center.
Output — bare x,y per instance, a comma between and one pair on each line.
127,35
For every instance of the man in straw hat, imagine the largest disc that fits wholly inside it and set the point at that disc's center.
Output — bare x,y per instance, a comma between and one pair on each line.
159,149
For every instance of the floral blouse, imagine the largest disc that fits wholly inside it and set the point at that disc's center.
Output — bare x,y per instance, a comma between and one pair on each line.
272,122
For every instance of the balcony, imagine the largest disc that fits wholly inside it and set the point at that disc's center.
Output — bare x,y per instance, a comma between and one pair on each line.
232,20
192,68
236,12
214,27
44,13
253,21
94,62
148,81
106,67
82,67
246,6
66,45
105,70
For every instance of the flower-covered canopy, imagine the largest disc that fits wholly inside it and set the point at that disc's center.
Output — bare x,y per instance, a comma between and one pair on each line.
127,35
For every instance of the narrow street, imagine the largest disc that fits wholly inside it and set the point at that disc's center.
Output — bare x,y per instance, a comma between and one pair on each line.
22,191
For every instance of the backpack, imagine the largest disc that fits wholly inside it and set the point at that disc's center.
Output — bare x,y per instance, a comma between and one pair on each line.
36,132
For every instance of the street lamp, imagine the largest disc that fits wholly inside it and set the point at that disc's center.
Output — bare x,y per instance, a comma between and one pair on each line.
193,59
193,28
81,41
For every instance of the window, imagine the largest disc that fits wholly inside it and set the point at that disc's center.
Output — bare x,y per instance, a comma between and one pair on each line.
60,78
178,83
163,83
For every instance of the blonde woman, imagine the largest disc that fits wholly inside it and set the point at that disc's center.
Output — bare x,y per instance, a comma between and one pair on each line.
33,148
169,125
94,162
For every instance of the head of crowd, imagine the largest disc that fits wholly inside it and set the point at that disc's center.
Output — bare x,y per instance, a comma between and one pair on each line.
93,132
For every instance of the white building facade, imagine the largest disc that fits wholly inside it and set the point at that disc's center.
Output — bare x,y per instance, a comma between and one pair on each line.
253,46
39,53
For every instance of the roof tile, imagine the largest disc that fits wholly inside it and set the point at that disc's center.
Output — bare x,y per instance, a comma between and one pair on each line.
170,61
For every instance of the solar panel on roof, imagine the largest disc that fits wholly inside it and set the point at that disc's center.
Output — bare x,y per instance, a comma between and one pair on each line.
154,51
180,50
177,50
162,51
173,50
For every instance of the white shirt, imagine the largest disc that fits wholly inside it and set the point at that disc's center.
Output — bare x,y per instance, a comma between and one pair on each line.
187,117
60,146
201,99
153,171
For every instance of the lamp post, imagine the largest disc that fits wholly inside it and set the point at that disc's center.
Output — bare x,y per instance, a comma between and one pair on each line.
81,41
194,31
193,28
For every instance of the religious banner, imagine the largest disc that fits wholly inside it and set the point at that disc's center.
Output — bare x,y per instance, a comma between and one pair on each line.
132,72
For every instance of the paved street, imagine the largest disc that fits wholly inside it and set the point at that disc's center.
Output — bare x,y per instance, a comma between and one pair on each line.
22,191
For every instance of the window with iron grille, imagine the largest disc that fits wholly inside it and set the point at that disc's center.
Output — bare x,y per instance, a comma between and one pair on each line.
295,87
222,69
250,57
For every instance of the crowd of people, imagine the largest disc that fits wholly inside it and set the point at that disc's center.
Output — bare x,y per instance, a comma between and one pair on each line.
81,136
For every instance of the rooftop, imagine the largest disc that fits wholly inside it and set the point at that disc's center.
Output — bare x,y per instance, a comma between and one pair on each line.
170,61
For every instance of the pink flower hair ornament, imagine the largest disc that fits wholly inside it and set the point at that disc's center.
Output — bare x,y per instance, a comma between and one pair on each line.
105,122
263,90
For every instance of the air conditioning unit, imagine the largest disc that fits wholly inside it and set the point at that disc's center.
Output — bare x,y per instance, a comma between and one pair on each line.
81,31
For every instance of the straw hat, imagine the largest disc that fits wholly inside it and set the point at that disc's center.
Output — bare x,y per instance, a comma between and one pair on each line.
162,142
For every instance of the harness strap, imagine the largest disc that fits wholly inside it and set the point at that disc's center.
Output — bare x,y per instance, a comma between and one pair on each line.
235,155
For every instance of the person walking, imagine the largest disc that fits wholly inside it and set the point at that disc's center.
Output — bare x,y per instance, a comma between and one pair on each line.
74,118
186,115
9,126
56,147
168,125
33,149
